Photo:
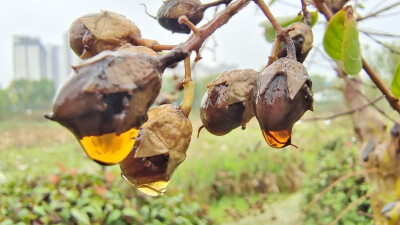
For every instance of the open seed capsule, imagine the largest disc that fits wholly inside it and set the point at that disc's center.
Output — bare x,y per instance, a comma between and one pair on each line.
282,95
96,32
106,99
159,148
227,104
302,37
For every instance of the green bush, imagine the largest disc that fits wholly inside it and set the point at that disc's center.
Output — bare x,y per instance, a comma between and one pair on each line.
70,197
335,160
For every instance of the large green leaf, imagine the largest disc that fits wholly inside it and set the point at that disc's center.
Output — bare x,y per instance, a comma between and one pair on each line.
285,22
351,52
396,82
333,38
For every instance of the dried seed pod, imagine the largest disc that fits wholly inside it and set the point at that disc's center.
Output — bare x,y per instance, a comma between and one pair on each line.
135,49
302,37
159,148
169,13
96,32
227,104
282,95
105,100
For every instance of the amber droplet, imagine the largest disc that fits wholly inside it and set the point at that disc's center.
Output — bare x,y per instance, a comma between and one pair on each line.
159,148
154,189
109,148
277,139
282,95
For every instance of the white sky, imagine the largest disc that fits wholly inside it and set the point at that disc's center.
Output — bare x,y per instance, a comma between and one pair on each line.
240,42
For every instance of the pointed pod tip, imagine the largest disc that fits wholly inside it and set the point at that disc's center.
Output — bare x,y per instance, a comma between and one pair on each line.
49,116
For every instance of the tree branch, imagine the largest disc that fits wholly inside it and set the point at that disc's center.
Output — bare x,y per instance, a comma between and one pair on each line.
280,32
379,11
345,113
350,206
393,101
332,185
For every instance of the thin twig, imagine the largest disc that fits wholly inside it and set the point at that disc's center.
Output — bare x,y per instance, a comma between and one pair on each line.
379,11
306,13
332,185
378,33
145,10
280,32
345,113
350,206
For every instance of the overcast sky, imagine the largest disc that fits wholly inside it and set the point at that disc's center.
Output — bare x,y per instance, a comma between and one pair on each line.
240,42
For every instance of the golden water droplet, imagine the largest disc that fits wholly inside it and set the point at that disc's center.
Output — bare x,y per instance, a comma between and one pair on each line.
277,139
109,148
154,189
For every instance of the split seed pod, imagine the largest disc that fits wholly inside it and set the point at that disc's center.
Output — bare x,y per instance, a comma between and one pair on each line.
169,13
302,36
282,95
227,104
96,32
106,100
159,148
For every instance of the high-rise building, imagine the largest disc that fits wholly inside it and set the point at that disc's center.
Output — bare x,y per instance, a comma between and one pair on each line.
29,58
67,59
53,63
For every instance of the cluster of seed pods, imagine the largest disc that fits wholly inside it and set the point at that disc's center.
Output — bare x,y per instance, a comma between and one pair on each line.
106,102
278,96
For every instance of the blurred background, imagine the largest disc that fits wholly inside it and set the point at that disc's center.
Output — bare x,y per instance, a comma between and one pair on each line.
46,178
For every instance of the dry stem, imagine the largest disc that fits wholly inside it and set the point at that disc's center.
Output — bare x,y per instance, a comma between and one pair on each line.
188,85
280,32
350,206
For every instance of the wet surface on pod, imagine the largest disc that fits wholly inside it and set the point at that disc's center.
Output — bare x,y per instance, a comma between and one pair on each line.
96,32
159,148
227,104
283,93
105,100
171,10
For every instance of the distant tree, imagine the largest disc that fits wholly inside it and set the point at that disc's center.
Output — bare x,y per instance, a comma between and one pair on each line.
26,94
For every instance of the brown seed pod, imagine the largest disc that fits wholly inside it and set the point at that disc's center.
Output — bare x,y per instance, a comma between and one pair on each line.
227,104
302,37
159,148
135,49
96,32
282,95
169,13
105,99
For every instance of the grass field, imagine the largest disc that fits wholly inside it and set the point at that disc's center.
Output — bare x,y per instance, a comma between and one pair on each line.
214,173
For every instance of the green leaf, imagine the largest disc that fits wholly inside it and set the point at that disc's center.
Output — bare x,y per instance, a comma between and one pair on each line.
396,82
333,38
113,216
285,22
80,216
351,51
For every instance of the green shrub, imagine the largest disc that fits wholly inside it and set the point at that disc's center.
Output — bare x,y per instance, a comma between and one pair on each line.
335,160
70,197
